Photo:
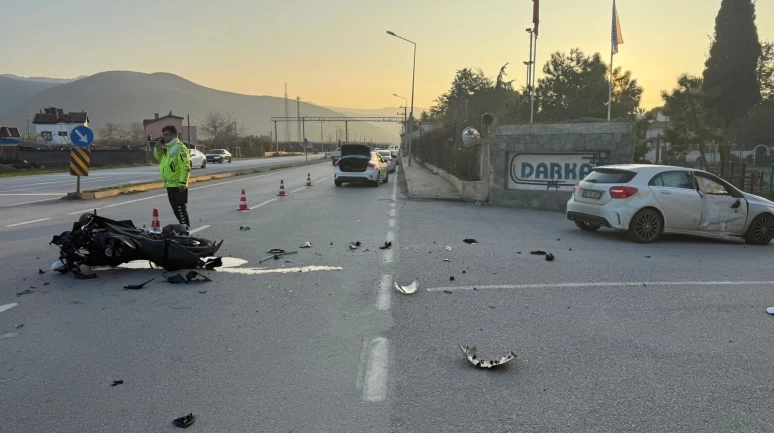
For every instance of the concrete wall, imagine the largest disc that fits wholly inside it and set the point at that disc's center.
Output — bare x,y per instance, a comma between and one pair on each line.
61,158
537,165
469,191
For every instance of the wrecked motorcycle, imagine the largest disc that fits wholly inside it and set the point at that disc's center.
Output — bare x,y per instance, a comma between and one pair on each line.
98,241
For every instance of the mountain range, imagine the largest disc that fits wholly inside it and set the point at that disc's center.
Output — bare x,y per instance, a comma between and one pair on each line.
126,97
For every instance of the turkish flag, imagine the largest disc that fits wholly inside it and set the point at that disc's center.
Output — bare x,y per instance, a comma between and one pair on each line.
536,15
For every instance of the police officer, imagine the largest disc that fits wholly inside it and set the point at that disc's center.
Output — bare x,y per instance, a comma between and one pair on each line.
175,165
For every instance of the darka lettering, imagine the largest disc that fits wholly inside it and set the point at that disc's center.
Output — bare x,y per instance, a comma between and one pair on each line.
554,171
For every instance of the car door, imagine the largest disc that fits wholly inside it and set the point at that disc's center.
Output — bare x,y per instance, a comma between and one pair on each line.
724,209
380,165
677,195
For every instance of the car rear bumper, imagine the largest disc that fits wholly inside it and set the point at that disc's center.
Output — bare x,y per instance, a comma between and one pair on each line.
348,176
604,215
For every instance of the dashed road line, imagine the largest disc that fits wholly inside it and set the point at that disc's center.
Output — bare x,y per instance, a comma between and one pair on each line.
383,298
34,201
263,204
390,236
392,212
375,380
605,284
391,223
198,229
7,307
28,222
388,256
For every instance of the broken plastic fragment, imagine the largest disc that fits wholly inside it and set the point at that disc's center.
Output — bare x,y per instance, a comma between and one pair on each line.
470,354
59,267
138,286
470,241
41,271
448,291
407,290
176,279
195,276
241,228
117,382
451,278
213,263
23,292
770,310
549,257
184,421
80,276
386,246
354,245
275,251
20,325
538,253
307,244
448,248
446,260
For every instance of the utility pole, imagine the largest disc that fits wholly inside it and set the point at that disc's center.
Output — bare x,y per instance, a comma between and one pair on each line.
322,149
189,130
298,115
287,114
276,138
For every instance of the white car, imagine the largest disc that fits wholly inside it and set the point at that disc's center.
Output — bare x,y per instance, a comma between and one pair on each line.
359,164
198,159
387,157
648,200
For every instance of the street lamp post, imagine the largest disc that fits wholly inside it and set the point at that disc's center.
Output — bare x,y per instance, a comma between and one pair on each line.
405,104
531,74
413,76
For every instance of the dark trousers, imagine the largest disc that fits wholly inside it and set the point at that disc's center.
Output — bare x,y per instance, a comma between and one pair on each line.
179,201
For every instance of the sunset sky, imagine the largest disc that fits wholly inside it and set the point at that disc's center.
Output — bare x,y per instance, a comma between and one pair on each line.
336,52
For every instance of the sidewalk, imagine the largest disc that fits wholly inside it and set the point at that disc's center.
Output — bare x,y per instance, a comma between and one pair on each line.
423,183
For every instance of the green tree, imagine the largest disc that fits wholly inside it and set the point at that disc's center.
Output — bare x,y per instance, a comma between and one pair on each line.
691,123
766,71
575,86
730,74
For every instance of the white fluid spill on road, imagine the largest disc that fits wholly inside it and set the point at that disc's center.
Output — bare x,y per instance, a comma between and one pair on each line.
611,284
375,381
257,271
7,307
383,298
228,262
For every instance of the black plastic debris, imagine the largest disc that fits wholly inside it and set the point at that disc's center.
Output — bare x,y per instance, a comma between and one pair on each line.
446,260
24,292
306,244
41,271
275,251
138,286
470,241
472,357
492,307
202,292
20,325
277,256
190,276
213,263
448,291
354,245
549,257
244,228
46,284
647,257
386,246
538,253
184,421
451,278
176,279
80,276
558,239
117,382
464,272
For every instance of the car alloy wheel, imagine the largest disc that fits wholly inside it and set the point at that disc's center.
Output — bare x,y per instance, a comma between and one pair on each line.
761,230
645,226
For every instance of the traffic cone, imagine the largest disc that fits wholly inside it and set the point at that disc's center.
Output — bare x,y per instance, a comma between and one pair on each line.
243,202
156,223
308,180
282,189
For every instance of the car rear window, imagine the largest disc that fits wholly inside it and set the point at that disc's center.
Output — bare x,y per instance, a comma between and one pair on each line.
608,175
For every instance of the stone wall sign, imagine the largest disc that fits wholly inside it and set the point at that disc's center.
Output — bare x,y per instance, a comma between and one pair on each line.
544,171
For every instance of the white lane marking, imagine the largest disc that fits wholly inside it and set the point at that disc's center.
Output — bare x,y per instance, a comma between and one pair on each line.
299,189
391,223
385,289
375,383
84,181
34,201
192,189
7,307
197,230
387,256
391,212
612,284
32,194
390,236
28,222
395,186
322,179
362,364
263,204
392,204
255,271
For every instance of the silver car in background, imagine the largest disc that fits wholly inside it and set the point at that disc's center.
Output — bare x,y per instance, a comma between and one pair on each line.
388,159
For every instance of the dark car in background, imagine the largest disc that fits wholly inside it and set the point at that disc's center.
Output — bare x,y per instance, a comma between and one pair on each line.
219,155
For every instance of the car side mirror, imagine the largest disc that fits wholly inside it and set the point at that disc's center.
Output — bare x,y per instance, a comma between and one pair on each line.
736,204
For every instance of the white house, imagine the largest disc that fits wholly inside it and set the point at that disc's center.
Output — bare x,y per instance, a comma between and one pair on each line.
53,125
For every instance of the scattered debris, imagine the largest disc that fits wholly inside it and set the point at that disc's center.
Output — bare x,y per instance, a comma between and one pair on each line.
464,272
117,382
20,325
80,276
549,257
138,286
306,244
446,260
647,257
184,421
354,246
538,253
407,290
470,354
558,239
448,248
386,246
277,256
492,307
570,249
245,228
41,271
190,276
470,241
24,292
275,251
46,284
213,263
448,291
451,278
202,291
478,203
770,310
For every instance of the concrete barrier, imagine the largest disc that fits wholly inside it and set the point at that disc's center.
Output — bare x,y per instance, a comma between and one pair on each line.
469,190
148,186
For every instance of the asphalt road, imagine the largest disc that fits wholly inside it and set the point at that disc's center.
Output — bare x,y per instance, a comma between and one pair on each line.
21,190
610,337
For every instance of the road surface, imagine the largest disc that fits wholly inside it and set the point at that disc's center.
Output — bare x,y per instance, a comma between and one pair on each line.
20,190
610,337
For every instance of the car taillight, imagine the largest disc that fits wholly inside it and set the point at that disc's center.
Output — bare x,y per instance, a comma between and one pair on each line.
389,160
336,164
371,164
575,188
622,191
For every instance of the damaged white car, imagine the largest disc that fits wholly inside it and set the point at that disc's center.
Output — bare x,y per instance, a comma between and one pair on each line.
648,200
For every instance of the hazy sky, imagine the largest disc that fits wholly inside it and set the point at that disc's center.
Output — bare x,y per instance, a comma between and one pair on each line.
336,52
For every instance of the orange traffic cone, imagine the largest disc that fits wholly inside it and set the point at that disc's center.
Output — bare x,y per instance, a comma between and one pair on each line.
308,180
156,223
282,189
243,202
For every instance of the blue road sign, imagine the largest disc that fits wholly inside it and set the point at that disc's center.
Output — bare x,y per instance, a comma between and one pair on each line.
81,136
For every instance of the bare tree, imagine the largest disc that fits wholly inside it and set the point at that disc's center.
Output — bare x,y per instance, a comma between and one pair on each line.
136,133
221,129
109,133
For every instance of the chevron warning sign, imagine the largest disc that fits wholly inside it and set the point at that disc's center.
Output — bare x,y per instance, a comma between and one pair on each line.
79,162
